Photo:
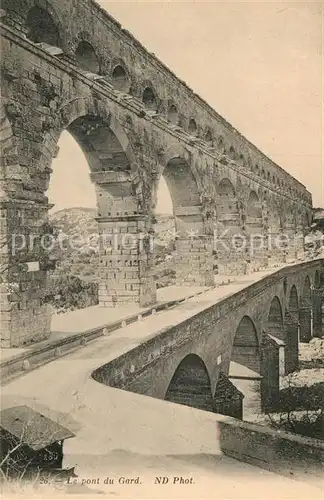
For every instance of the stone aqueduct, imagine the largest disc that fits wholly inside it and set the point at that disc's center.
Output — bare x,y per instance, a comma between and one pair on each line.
70,66
253,332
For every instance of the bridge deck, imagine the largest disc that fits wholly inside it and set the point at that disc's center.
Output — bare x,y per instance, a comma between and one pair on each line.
124,434
81,320
119,433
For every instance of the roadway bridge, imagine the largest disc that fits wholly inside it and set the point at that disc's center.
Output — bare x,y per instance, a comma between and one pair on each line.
70,66
183,354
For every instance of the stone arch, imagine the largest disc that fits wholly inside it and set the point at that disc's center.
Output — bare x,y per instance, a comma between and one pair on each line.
293,299
41,27
226,188
228,199
181,182
241,160
120,77
116,178
306,291
173,114
245,350
253,206
274,325
232,153
86,57
208,136
190,384
78,108
149,98
305,311
221,144
292,331
192,127
191,239
245,364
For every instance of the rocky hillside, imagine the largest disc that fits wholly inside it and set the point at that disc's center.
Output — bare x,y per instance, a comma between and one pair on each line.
76,249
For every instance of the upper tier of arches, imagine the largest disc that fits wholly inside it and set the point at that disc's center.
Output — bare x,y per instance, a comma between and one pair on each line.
46,22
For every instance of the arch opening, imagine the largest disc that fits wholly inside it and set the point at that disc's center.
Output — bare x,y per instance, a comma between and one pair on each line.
165,237
254,210
227,194
232,153
305,312
191,239
149,99
73,284
192,127
306,292
113,196
86,57
245,365
245,356
208,137
274,324
173,115
292,332
293,299
120,78
190,384
41,27
181,183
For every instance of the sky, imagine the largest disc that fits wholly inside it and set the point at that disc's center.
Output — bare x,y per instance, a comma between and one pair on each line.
258,64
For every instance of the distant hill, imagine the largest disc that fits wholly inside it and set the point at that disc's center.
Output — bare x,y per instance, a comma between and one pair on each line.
73,253
76,254
74,221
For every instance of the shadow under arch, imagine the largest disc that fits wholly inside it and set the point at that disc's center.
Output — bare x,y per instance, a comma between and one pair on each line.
41,27
86,57
111,163
181,183
274,325
292,331
318,302
191,238
245,365
246,349
190,384
305,311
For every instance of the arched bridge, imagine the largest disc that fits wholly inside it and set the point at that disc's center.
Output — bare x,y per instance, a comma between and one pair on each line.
251,335
182,355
